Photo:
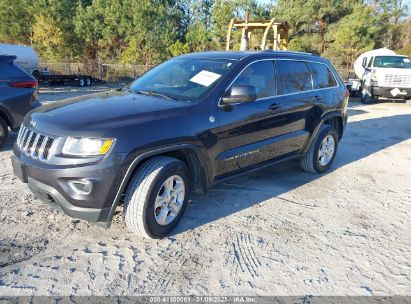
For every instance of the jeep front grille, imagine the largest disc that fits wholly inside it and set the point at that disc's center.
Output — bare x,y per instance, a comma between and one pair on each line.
397,81
34,144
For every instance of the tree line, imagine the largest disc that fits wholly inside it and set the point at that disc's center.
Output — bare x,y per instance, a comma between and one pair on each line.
150,31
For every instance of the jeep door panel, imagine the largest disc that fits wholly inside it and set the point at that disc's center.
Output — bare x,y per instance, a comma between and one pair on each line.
295,88
250,133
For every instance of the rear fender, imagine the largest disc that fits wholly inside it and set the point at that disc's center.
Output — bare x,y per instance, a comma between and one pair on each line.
317,128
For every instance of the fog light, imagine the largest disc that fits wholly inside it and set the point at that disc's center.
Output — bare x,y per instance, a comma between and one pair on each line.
81,186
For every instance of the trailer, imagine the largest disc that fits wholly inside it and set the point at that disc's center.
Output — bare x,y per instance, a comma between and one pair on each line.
76,79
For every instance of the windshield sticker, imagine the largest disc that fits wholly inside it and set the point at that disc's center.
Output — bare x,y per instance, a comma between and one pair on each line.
205,78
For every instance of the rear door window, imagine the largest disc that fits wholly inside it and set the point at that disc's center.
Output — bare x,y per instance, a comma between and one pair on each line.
322,76
293,77
261,75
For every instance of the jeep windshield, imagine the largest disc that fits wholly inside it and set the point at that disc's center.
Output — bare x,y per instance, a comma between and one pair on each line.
187,79
392,62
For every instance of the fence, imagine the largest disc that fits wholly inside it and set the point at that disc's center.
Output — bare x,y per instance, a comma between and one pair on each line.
346,73
104,71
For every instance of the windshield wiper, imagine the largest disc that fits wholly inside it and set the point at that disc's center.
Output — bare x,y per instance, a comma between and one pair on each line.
154,93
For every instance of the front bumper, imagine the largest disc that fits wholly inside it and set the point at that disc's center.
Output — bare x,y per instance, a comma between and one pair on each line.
50,184
387,92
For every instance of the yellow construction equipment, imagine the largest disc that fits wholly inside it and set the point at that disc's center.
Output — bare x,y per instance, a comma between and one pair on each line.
280,33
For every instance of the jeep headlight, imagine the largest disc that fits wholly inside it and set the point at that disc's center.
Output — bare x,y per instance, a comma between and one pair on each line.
82,146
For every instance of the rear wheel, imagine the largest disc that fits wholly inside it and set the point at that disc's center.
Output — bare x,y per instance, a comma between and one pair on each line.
156,197
88,81
322,152
4,132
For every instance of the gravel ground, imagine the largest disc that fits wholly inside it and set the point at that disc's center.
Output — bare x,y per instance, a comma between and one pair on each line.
279,231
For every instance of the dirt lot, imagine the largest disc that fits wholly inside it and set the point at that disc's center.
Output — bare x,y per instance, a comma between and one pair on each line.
279,231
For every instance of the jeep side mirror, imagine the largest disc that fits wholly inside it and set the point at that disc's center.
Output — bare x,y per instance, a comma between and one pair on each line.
240,94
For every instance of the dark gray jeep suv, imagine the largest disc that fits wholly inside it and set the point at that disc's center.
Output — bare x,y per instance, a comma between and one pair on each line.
188,123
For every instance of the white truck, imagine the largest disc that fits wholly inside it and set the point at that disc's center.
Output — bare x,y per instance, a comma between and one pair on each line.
383,73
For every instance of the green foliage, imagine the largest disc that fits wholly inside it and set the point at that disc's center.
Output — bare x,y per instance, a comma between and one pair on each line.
405,50
310,20
16,21
48,38
178,48
221,15
150,31
53,29
352,35
198,37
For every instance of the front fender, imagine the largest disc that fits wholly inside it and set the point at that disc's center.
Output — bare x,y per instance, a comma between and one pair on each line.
143,156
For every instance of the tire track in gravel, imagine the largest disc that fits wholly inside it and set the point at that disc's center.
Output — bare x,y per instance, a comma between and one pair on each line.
245,255
176,259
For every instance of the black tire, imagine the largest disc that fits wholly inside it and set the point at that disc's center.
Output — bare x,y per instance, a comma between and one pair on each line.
81,82
367,95
4,132
311,162
36,74
142,191
88,81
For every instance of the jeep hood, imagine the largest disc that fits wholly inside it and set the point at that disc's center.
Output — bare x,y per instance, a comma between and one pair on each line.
95,114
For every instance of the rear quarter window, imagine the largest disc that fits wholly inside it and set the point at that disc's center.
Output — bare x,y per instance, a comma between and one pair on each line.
293,77
322,76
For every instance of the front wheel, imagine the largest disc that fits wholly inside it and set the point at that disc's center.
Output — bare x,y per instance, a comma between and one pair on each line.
156,197
81,82
322,152
367,95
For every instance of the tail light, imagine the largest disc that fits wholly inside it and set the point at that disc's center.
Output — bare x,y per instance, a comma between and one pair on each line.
347,93
24,84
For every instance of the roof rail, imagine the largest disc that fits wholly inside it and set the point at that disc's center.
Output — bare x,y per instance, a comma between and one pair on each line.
288,51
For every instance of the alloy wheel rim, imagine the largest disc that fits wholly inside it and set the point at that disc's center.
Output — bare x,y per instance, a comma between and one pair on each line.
327,149
169,200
